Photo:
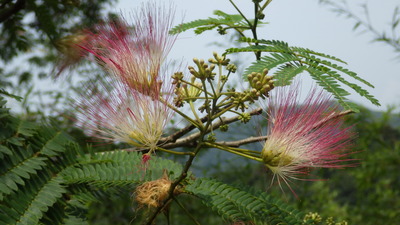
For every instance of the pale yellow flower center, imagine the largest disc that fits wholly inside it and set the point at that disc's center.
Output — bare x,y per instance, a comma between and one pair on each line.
274,154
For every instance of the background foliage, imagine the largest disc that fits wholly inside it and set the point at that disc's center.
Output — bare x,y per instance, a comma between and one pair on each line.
34,31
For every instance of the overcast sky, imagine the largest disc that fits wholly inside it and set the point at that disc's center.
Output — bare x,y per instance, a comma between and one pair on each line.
307,24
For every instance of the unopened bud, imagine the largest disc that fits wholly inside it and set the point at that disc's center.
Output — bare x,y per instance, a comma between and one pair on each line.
244,117
224,127
231,67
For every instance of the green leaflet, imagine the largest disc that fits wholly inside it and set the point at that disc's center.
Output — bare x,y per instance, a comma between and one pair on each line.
19,160
285,46
329,66
29,181
270,62
46,178
210,23
243,205
72,220
292,61
330,85
17,174
51,142
286,73
4,150
28,204
119,168
25,128
4,92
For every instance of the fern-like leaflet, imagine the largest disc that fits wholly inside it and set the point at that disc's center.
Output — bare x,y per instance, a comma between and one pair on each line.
292,61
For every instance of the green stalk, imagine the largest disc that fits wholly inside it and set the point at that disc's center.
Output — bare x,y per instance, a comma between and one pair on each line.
173,152
252,157
222,112
195,113
186,211
182,114
188,83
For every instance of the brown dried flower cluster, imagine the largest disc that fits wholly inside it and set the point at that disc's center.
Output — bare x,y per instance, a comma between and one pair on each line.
153,193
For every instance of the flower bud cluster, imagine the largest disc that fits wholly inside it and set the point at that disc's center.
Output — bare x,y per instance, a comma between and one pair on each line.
221,30
193,91
315,217
219,60
239,99
244,117
231,68
185,91
205,106
211,137
204,71
261,83
224,127
177,78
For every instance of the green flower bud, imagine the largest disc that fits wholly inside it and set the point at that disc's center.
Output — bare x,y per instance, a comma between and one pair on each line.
231,67
244,117
224,127
211,137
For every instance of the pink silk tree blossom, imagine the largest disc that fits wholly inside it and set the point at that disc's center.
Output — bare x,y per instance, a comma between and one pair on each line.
135,53
304,136
119,113
70,54
132,105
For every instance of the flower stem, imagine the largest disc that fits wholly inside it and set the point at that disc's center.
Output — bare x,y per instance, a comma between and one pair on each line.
186,211
235,151
181,113
195,113
223,111
174,152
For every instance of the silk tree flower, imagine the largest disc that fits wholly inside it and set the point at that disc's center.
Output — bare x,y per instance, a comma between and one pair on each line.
135,53
75,47
304,136
119,113
70,54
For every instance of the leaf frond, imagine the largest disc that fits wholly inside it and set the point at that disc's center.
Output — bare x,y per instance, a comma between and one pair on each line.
236,204
292,61
201,25
119,168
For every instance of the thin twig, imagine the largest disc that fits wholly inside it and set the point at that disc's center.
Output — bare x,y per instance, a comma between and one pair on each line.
173,137
240,12
180,178
241,153
333,116
243,141
189,141
186,211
